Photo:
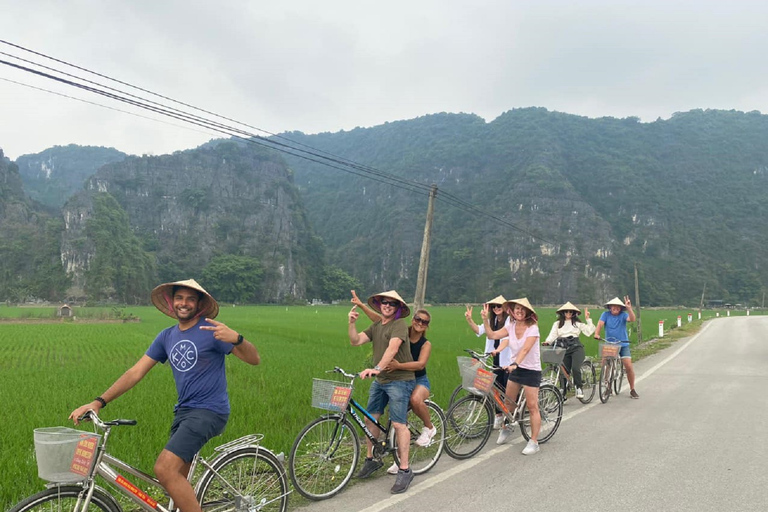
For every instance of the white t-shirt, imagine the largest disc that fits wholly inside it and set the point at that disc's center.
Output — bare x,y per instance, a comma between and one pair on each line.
505,356
532,360
568,329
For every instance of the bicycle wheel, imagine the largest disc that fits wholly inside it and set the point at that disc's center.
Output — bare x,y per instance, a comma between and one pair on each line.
422,458
247,478
550,411
588,381
549,373
323,457
606,379
64,498
458,394
619,376
468,425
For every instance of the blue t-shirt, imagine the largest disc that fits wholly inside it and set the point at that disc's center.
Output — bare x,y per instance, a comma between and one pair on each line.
615,326
197,359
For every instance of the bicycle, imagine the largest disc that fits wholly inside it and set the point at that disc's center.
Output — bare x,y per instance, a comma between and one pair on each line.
611,367
325,453
555,373
470,419
244,476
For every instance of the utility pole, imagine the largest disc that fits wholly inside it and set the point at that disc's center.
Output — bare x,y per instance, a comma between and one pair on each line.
701,304
637,303
421,279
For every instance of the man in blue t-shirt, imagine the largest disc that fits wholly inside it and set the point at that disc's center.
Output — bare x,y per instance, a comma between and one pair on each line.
195,349
615,322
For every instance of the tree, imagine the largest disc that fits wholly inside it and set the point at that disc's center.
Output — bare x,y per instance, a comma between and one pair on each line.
233,278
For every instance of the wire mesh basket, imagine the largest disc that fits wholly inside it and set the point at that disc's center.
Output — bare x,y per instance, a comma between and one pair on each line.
611,350
552,354
474,377
64,455
330,395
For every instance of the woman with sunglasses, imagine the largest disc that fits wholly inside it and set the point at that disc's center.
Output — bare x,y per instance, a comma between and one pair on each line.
421,349
501,358
565,333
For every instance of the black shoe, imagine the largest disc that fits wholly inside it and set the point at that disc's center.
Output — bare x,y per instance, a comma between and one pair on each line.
404,479
369,467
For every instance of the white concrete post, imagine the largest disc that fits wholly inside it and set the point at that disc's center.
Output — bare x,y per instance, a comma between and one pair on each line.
690,318
679,323
661,328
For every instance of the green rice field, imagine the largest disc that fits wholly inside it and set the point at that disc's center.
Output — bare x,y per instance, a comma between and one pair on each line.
50,367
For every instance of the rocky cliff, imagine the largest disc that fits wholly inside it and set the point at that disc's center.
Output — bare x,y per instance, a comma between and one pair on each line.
191,206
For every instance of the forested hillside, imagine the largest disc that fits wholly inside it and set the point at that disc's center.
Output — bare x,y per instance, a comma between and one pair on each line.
29,243
684,199
54,175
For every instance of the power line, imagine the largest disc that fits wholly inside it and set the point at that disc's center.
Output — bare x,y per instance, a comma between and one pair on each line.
312,154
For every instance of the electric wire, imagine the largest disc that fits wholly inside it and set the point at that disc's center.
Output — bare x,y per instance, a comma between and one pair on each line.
316,155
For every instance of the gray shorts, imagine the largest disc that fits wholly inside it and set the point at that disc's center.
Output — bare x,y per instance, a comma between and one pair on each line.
191,429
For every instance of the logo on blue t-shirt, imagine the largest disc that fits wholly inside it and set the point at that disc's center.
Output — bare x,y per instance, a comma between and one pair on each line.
183,356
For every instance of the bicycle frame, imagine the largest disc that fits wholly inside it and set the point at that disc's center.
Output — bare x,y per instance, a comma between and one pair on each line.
354,404
107,466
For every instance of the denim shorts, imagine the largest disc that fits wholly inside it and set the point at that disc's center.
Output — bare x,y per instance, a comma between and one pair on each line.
422,381
624,352
191,429
396,393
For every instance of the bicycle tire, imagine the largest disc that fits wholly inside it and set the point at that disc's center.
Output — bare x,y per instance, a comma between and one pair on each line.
617,382
549,373
588,381
468,425
323,457
422,458
458,394
58,499
606,380
255,473
550,411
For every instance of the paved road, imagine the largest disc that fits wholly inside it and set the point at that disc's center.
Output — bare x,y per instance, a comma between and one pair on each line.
694,441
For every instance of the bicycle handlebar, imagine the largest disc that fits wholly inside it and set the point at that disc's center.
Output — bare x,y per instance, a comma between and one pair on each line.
482,358
337,369
91,415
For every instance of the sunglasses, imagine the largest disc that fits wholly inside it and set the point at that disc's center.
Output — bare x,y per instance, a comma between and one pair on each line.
420,320
392,303
496,306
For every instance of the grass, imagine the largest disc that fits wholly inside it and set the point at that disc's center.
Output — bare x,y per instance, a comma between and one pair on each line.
50,369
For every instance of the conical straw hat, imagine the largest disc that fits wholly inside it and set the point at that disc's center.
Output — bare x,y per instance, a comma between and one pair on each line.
568,307
162,298
391,294
497,300
614,302
523,302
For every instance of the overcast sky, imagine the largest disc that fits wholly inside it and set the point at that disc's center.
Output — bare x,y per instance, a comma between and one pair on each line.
318,66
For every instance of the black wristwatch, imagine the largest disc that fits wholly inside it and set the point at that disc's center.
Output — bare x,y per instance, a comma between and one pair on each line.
240,339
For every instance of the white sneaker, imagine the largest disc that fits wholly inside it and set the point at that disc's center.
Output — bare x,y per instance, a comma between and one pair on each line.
531,448
579,393
426,436
504,433
498,422
392,470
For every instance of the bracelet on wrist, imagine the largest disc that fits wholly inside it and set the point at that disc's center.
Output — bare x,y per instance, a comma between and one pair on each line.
101,401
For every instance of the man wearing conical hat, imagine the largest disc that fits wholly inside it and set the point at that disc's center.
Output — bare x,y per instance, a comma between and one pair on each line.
195,348
615,320
389,337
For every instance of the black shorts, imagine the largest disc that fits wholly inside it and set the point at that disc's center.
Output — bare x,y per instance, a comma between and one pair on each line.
526,377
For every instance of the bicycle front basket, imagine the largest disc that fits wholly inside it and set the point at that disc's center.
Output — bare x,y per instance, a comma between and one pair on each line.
552,354
330,395
64,455
474,378
611,350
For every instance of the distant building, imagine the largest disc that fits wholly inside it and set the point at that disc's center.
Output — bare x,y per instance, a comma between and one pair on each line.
65,311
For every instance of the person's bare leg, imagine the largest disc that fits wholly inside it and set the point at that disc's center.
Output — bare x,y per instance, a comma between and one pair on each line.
172,472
